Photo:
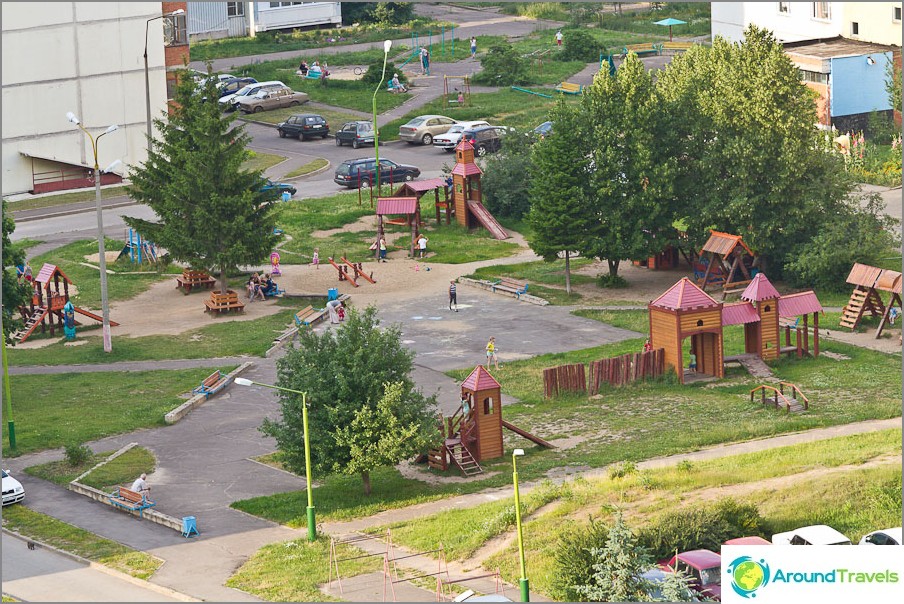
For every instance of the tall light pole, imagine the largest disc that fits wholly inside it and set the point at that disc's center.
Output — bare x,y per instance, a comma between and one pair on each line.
147,77
312,526
7,396
525,588
386,46
108,344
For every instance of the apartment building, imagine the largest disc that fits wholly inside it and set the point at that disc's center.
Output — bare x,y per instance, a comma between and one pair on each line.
213,20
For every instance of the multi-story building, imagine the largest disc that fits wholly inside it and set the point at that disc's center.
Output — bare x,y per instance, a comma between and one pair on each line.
842,49
212,20
86,58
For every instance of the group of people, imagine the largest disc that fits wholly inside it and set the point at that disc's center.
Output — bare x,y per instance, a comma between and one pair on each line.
261,287
303,69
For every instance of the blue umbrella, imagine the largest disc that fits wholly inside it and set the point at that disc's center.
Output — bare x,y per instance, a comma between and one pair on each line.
670,22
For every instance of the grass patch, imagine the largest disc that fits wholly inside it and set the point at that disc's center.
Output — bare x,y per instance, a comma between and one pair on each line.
49,201
334,118
695,14
455,244
121,471
72,539
311,166
53,410
262,161
292,571
61,473
635,320
547,273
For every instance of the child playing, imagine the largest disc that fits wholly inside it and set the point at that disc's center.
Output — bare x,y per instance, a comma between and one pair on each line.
315,259
491,353
693,364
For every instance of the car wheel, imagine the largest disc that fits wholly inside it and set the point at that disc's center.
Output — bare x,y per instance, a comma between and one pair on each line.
428,139
365,183
302,137
282,134
258,109
355,144
338,142
409,177
294,104
324,135
481,151
449,149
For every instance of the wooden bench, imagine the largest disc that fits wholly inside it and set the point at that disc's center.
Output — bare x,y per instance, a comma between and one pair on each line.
511,285
191,279
642,49
223,302
675,45
569,88
308,316
128,499
212,384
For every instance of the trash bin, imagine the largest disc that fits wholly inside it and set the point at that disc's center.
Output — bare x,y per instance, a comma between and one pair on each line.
286,196
332,294
189,526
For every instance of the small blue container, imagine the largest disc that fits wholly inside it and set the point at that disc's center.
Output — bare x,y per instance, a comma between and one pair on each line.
332,294
189,526
286,196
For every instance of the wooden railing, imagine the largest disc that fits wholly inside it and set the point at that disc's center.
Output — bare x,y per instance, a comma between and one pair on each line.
776,392
794,389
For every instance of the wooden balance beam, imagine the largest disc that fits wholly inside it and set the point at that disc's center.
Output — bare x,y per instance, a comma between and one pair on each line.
527,435
358,272
343,273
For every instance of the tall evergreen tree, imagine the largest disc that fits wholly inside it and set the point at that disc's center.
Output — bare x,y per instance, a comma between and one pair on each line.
15,294
212,213
618,567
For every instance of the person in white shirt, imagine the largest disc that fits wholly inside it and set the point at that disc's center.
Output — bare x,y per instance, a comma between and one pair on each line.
559,38
422,245
141,486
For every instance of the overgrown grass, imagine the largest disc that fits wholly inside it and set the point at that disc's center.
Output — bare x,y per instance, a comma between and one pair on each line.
54,410
72,539
262,161
697,16
49,201
311,166
292,571
121,471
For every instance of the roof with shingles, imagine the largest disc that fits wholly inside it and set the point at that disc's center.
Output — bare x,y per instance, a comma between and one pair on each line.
739,313
396,205
685,295
723,243
419,186
760,289
871,276
45,275
480,379
795,305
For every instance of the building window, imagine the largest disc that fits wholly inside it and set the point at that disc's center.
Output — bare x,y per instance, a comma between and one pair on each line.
784,8
897,15
235,9
821,10
279,4
814,77
175,31
855,28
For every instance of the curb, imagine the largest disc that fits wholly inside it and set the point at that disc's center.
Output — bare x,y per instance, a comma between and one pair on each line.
188,406
71,212
314,173
166,591
489,287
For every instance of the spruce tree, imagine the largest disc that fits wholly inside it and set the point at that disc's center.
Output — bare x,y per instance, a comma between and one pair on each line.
211,212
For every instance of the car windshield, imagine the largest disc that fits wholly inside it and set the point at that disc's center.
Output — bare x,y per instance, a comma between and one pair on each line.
344,169
455,129
244,91
5,474
710,576
416,121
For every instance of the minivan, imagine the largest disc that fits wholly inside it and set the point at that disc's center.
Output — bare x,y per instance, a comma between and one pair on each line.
353,172
355,134
227,103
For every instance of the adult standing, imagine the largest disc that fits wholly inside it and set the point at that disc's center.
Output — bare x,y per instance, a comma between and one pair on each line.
453,296
425,60
473,47
559,38
422,245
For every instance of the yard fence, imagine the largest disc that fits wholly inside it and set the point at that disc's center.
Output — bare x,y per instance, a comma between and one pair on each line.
616,371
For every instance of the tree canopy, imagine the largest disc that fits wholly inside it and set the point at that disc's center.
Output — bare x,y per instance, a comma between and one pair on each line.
15,294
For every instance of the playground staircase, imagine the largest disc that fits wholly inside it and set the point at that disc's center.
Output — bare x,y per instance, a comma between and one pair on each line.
794,401
462,457
33,321
455,429
488,221
861,300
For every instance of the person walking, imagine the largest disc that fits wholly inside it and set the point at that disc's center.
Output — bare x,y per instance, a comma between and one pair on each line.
422,245
473,47
453,296
559,38
491,353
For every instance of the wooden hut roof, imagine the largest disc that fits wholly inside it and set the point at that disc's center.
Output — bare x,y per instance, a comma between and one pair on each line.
795,305
396,205
466,169
480,379
724,243
684,295
420,186
870,276
45,275
760,289
739,313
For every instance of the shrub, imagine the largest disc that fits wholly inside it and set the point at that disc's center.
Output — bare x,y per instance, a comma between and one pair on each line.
685,465
702,528
505,188
580,45
502,66
574,558
611,281
77,455
375,71
622,469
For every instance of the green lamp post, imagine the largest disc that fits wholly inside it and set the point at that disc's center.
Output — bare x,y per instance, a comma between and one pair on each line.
525,586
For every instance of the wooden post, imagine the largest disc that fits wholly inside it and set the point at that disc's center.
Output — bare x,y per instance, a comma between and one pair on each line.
800,351
787,335
806,333
815,334
709,268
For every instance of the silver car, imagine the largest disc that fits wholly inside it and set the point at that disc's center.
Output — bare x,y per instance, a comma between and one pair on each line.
270,99
423,128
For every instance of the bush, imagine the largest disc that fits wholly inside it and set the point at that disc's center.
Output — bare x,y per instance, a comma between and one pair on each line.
702,528
77,455
622,469
580,45
502,66
611,281
881,128
375,71
574,559
505,188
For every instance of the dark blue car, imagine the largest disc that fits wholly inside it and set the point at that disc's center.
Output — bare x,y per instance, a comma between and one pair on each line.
282,187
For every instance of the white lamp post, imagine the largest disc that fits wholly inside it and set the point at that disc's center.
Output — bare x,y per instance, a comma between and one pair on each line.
386,46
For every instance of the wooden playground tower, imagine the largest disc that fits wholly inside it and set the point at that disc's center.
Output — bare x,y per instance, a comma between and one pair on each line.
51,293
474,432
466,193
725,260
868,282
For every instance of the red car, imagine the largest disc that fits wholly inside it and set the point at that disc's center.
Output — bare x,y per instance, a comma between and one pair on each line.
705,569
747,541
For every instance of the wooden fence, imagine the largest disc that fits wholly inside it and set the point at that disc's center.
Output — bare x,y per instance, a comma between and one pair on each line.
616,371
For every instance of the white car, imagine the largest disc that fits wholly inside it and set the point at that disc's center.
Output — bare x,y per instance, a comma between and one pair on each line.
228,102
818,534
13,491
890,536
450,139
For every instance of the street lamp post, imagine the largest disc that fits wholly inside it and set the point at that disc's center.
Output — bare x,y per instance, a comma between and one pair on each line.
525,588
147,77
108,344
312,526
386,46
7,396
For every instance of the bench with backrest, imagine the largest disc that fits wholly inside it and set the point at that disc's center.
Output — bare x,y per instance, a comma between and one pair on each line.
308,316
191,279
212,384
642,49
569,88
676,45
223,302
128,499
513,286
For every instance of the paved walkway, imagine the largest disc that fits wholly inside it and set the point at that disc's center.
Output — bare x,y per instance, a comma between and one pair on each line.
130,366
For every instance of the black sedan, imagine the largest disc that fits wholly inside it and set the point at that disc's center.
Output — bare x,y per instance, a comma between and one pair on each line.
362,172
306,125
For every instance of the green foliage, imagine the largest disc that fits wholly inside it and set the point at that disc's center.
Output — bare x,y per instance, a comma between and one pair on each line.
580,45
212,212
881,128
504,187
375,72
893,85
617,568
15,294
342,371
502,66
77,454
621,469
611,281
378,13
701,527
574,558
858,232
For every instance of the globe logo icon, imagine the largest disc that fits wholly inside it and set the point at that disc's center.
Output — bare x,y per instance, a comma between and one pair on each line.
748,575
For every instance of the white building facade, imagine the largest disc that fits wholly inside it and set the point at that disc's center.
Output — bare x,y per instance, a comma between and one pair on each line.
213,20
83,57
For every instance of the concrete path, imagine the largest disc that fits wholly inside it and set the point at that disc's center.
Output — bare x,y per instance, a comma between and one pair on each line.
130,366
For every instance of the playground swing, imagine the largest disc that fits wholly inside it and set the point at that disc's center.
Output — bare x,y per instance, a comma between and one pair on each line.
137,249
464,89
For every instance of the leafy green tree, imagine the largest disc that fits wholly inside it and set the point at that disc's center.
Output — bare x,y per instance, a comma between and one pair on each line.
618,567
378,437
382,13
561,210
580,45
211,212
345,371
503,185
502,66
15,294
893,85
375,72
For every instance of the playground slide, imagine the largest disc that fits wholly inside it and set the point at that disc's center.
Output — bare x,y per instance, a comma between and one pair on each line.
527,435
91,315
487,220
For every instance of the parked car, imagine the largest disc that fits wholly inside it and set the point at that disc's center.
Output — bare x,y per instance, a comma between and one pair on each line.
265,100
227,102
233,85
543,129
354,171
890,536
450,139
656,577
305,125
747,541
818,534
355,134
486,139
13,491
282,187
705,569
423,128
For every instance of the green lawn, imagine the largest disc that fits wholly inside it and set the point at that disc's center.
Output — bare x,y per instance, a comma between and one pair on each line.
48,201
54,410
121,471
262,161
72,539
697,16
311,166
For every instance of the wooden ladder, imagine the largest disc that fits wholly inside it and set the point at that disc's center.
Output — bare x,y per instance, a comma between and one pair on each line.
853,312
33,321
463,459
